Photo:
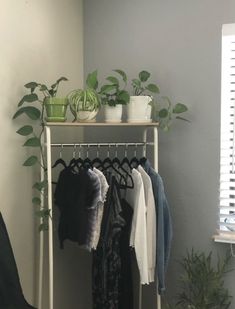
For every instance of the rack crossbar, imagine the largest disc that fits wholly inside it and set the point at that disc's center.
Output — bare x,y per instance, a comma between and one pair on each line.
102,144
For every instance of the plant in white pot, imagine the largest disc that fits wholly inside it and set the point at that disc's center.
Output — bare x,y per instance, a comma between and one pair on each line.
140,107
85,103
114,96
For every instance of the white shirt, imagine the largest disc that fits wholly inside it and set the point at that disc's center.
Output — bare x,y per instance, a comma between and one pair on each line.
150,222
138,238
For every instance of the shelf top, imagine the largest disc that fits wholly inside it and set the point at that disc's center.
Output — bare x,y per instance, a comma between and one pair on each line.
101,124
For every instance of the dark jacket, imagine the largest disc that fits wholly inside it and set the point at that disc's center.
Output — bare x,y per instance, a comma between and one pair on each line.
11,295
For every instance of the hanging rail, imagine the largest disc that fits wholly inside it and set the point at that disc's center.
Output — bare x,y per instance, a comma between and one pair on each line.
102,144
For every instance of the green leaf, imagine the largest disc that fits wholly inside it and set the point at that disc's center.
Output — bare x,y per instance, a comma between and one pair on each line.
144,76
179,108
43,227
36,200
61,79
43,88
31,161
31,111
43,213
28,98
33,142
123,97
181,118
163,113
113,80
40,185
25,130
123,74
106,89
153,88
92,81
136,82
31,85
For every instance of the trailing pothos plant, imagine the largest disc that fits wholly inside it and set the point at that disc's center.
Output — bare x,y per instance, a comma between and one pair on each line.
33,106
165,112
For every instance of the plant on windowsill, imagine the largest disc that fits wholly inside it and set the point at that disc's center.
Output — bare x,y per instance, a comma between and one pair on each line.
85,103
42,98
114,96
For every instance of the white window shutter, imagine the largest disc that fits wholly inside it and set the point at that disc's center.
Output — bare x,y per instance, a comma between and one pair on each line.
226,224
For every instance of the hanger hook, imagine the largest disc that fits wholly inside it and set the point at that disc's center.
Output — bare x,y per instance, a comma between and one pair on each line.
74,151
108,152
116,150
135,152
87,151
61,149
98,151
126,147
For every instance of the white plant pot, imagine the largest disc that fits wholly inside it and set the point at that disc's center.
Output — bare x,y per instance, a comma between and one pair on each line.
87,116
139,109
113,113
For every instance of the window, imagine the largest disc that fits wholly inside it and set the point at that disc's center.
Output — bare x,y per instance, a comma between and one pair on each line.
226,231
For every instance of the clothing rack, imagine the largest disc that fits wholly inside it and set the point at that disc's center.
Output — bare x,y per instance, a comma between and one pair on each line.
48,147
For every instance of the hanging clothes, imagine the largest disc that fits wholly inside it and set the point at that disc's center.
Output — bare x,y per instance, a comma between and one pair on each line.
11,295
164,224
75,194
138,238
150,223
108,266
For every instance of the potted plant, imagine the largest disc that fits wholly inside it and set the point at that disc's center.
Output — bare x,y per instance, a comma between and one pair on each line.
85,103
139,109
114,96
44,96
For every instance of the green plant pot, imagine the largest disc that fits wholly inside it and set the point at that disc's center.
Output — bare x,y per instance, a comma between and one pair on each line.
56,109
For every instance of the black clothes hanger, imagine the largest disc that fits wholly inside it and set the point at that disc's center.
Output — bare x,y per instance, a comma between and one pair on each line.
60,160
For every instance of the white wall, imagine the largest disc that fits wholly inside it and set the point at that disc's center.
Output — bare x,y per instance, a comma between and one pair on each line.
40,40
179,42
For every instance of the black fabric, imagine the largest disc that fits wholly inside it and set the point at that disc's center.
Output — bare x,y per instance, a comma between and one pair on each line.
11,295
74,195
111,269
126,282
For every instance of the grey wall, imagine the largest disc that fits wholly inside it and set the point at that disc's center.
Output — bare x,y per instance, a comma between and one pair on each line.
180,43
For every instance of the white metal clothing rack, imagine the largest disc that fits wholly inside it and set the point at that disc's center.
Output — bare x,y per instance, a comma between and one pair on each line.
48,146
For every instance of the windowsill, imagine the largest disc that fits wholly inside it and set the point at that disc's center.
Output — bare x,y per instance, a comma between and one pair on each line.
227,239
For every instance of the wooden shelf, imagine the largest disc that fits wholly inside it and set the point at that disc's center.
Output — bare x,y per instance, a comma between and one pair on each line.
102,124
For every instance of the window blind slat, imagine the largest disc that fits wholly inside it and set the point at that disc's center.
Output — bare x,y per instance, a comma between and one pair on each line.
226,222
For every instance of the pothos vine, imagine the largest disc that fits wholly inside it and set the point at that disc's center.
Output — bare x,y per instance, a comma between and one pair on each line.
38,92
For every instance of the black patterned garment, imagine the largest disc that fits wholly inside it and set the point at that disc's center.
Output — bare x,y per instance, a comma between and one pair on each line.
75,194
107,270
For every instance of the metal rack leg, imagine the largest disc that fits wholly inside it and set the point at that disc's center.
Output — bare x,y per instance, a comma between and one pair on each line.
41,247
155,138
50,221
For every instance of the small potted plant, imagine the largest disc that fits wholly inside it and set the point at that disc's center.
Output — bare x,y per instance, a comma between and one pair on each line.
54,106
139,109
85,103
114,96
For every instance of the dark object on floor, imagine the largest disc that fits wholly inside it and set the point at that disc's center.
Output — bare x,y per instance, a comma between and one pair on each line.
11,295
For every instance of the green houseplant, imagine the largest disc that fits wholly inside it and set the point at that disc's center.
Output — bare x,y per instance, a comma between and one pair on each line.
85,103
202,282
33,105
139,109
114,96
